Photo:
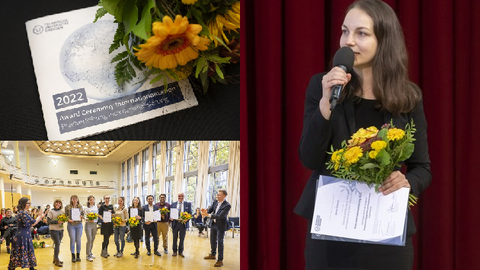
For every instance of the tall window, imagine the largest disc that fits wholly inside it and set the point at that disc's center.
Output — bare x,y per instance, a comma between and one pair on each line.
170,170
129,173
156,167
123,179
171,158
145,171
135,170
218,153
217,170
190,167
216,180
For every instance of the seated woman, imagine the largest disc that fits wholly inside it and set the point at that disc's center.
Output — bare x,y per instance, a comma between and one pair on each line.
197,218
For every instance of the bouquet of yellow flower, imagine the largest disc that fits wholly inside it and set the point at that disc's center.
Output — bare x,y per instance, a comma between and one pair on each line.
117,221
133,222
173,38
164,211
371,155
92,216
63,218
185,217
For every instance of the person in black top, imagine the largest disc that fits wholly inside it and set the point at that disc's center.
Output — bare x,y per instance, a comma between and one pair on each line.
107,227
376,91
8,224
137,231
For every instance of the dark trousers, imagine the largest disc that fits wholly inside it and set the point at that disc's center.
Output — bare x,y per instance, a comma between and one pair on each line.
179,228
153,230
57,239
106,241
136,243
217,236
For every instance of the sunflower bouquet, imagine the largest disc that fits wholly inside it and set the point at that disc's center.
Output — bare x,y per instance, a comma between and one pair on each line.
133,222
92,216
185,217
174,38
371,155
62,218
117,221
164,211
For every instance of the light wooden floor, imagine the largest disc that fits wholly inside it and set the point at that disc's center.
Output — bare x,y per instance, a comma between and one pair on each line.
195,249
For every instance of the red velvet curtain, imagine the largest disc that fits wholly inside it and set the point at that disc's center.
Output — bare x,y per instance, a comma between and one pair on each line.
283,44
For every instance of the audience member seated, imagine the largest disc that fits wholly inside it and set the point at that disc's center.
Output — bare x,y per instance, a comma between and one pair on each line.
198,222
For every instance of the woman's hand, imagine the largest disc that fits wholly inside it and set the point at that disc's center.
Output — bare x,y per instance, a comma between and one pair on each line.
70,221
395,181
335,76
60,222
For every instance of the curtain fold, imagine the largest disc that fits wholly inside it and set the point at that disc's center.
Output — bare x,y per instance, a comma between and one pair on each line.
202,173
284,43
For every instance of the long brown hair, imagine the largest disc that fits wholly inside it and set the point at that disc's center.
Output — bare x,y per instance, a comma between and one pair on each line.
88,200
391,85
139,205
78,201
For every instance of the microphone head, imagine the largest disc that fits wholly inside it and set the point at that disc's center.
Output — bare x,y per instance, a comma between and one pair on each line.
344,57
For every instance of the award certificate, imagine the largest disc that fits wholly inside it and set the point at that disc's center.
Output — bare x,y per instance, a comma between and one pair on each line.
107,217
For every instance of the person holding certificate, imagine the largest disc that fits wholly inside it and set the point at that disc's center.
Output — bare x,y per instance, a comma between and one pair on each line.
136,232
90,226
179,228
120,230
376,91
74,213
150,225
105,214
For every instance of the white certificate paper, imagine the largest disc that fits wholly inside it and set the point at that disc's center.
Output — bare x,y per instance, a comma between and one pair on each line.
133,212
76,81
174,213
156,215
353,211
76,214
148,216
107,216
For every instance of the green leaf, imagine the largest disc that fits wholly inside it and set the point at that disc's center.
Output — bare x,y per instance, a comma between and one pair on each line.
383,157
173,74
130,15
369,166
115,7
119,56
204,79
199,18
219,71
131,70
144,26
201,62
100,13
157,78
407,152
383,134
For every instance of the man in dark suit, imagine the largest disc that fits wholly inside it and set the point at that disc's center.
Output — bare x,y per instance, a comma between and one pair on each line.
218,214
150,227
177,226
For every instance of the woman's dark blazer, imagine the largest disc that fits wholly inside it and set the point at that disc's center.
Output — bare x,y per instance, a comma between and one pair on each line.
319,134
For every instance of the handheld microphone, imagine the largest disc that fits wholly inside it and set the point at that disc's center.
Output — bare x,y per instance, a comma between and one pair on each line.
343,59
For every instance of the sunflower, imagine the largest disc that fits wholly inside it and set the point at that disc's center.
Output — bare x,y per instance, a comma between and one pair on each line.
173,43
189,2
229,21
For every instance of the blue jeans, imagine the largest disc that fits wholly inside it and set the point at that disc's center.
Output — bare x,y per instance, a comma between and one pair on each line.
119,235
75,233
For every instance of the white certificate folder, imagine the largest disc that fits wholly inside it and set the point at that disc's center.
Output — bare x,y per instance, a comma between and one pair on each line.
351,211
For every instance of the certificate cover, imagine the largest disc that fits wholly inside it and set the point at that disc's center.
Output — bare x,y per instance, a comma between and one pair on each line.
354,212
76,81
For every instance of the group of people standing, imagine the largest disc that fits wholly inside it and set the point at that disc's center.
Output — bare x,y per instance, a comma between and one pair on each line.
22,253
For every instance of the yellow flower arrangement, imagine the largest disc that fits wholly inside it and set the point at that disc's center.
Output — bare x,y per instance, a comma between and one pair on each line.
173,38
185,217
92,216
133,222
62,218
117,221
371,155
